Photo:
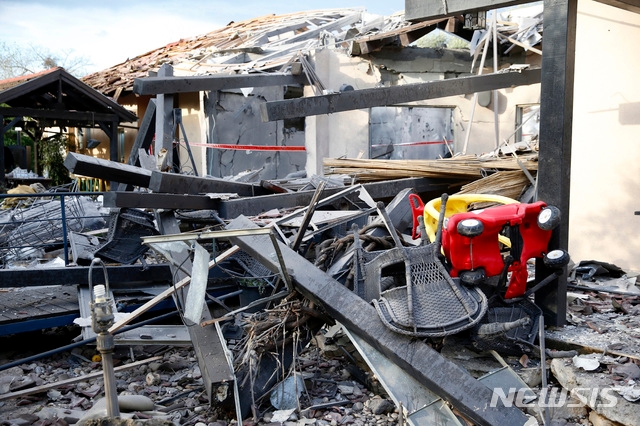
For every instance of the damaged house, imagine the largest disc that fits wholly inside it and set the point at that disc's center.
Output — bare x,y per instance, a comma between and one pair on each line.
274,128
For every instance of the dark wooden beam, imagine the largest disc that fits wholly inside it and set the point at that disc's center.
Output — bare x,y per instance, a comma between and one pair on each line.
201,83
251,206
449,381
382,96
148,200
174,183
629,5
556,123
2,159
85,165
121,276
79,116
144,139
164,124
420,10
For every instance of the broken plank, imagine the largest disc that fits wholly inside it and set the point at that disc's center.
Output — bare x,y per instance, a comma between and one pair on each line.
417,10
85,165
174,183
144,138
205,83
383,96
129,275
428,366
148,200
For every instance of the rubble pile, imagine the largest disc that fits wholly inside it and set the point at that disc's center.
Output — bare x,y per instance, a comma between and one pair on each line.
165,385
349,310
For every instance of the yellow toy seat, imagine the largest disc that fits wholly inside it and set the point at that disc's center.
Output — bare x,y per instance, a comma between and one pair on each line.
459,203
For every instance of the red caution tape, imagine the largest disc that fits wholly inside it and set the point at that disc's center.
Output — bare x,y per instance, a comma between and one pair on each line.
250,147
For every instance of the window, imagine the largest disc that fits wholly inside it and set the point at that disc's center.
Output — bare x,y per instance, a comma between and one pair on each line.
410,133
527,123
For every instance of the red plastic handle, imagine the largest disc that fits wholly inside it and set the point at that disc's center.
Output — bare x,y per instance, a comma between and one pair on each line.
417,210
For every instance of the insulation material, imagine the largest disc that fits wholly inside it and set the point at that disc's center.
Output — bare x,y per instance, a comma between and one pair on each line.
198,286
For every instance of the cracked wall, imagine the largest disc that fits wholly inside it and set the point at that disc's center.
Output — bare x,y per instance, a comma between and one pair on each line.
234,122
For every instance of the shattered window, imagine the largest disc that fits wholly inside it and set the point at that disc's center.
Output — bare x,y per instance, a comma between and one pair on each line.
414,133
527,123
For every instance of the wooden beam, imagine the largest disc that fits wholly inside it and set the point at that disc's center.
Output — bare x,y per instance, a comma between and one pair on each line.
145,134
85,165
629,5
420,10
148,200
202,83
163,148
174,183
80,116
122,276
228,209
2,159
144,139
556,124
366,98
418,359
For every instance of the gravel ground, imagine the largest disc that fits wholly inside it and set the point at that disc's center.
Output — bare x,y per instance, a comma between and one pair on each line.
173,384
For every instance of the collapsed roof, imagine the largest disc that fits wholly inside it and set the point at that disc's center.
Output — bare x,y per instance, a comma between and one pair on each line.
272,42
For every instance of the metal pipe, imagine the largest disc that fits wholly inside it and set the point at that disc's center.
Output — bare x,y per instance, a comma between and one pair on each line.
65,243
101,320
543,367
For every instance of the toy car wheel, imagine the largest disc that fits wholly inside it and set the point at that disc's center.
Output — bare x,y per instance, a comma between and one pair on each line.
474,277
556,258
549,218
470,227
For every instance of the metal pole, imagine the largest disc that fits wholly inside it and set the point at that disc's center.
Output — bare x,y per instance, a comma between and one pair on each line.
64,231
543,366
105,345
101,320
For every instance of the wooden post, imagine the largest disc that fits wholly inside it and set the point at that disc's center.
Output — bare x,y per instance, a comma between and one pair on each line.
556,121
164,123
2,150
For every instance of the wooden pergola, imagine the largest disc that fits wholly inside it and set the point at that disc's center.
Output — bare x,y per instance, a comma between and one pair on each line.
60,99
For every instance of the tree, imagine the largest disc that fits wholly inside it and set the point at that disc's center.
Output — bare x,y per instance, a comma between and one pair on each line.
16,60
51,158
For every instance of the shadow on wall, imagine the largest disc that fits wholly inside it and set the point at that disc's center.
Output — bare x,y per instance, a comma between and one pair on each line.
629,113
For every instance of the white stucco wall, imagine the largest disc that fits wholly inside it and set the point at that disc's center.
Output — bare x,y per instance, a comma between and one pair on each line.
605,178
347,133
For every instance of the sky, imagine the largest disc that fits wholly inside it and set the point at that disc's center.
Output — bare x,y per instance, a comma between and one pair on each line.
108,32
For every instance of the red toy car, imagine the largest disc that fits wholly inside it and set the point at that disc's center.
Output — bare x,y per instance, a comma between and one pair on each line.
470,243
474,242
